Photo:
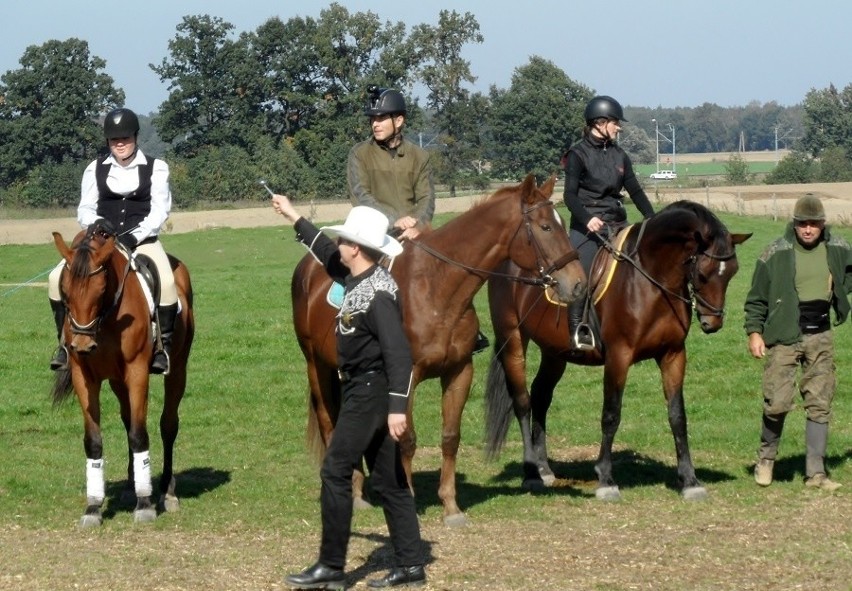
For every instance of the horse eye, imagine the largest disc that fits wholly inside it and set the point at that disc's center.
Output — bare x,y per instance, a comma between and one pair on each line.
546,227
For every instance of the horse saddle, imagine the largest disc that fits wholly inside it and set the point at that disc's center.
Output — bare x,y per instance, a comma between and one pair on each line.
602,271
149,278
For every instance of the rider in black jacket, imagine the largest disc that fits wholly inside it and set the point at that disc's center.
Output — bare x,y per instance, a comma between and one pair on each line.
596,171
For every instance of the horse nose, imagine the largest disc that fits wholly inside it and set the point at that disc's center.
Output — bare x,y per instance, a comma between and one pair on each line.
83,345
709,327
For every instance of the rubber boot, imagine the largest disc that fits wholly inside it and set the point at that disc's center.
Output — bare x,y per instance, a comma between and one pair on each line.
582,337
816,441
166,316
60,356
770,436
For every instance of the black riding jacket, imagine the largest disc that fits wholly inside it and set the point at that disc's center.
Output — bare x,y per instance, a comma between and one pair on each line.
596,171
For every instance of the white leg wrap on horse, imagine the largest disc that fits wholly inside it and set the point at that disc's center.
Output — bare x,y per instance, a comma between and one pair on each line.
95,479
142,473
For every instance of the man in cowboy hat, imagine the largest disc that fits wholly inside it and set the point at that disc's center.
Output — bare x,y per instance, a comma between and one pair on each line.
797,280
374,360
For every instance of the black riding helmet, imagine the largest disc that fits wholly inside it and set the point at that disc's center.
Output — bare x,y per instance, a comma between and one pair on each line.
121,123
603,106
384,101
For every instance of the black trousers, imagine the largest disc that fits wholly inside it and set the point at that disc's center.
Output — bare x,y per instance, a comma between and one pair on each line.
362,430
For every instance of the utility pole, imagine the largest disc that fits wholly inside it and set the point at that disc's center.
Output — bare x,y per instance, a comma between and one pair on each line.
657,138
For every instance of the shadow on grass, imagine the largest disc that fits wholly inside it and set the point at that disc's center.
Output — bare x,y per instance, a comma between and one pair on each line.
192,483
574,479
792,468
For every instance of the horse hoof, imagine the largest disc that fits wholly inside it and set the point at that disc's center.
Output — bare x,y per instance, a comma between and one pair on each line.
534,485
146,515
695,493
548,479
607,493
455,520
91,520
170,503
360,504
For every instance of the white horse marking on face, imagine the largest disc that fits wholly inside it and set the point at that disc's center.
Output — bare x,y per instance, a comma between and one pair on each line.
721,268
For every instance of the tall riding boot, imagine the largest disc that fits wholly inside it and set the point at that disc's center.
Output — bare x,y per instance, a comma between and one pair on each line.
166,315
60,357
770,436
581,333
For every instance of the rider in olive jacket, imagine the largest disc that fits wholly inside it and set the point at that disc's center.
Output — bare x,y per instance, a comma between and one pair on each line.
772,307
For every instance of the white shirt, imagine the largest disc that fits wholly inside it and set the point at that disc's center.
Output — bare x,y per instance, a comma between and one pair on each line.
124,180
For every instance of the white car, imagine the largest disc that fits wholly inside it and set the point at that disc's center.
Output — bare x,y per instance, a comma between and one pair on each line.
664,175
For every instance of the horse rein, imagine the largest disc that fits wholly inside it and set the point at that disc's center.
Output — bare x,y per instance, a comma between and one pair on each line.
545,279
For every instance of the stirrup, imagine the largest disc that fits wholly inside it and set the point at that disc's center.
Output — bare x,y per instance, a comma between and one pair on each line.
157,365
60,359
583,338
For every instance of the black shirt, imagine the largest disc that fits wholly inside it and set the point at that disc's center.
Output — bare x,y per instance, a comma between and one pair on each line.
370,334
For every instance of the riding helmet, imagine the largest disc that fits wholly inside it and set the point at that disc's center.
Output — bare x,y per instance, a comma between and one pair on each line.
603,106
808,208
381,101
121,123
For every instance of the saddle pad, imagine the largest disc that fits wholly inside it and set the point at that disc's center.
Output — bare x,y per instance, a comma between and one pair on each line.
334,297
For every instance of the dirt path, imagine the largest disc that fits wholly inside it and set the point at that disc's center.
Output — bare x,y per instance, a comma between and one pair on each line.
765,200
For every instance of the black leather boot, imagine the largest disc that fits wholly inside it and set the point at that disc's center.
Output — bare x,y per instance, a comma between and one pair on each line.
481,343
60,356
582,337
166,316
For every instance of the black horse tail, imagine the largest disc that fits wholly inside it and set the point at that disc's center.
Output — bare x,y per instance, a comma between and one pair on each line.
498,408
61,386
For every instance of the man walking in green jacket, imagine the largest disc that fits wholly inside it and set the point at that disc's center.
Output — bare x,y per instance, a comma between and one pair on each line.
797,280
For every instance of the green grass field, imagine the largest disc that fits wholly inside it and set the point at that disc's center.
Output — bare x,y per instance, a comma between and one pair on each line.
688,169
249,492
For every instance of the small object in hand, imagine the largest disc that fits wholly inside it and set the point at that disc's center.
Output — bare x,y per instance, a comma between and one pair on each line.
265,186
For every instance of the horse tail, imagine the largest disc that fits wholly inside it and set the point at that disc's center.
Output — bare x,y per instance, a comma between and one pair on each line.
498,408
61,386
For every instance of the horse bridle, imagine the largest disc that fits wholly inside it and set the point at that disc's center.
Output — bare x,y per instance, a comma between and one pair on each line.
91,329
695,297
696,292
545,277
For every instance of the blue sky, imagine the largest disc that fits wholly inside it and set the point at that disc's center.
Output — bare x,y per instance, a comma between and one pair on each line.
665,53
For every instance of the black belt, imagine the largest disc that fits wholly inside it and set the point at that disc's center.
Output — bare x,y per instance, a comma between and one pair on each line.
346,376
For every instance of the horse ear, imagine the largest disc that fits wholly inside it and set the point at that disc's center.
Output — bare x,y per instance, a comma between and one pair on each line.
63,249
547,187
528,187
740,238
104,252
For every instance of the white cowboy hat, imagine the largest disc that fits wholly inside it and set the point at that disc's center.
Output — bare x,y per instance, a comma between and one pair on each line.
368,227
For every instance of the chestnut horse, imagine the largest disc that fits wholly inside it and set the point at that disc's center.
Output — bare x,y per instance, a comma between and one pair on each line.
438,275
109,333
643,293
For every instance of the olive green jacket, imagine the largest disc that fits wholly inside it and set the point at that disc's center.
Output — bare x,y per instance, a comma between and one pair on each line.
396,182
772,304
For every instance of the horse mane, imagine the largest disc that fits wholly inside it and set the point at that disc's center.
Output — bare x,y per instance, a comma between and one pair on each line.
80,264
714,231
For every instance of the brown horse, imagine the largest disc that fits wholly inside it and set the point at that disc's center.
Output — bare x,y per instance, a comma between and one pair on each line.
438,276
110,337
643,292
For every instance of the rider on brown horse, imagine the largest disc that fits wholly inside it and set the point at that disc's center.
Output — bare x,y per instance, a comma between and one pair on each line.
129,193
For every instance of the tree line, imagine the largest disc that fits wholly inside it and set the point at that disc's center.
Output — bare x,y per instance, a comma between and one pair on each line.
284,102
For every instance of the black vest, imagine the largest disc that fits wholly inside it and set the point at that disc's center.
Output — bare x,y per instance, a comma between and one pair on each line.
124,212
